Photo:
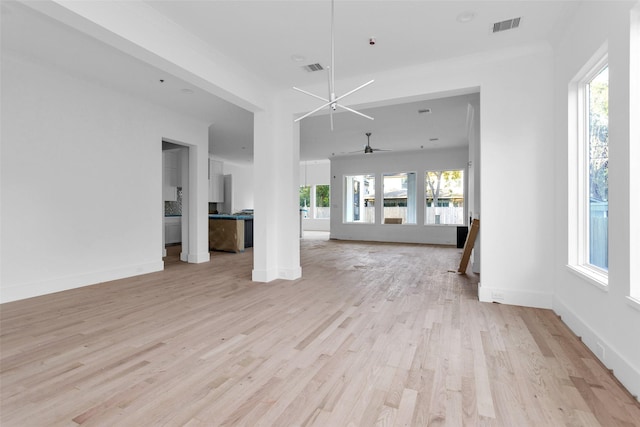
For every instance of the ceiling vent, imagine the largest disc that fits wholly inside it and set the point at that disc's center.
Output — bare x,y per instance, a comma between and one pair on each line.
509,24
313,67
424,111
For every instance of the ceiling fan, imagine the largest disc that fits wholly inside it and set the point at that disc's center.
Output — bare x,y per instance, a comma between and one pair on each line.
332,101
367,148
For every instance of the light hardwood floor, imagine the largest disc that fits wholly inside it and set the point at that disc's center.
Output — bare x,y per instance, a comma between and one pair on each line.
373,334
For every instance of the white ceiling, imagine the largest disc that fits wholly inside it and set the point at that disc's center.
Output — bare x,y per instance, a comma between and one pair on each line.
263,35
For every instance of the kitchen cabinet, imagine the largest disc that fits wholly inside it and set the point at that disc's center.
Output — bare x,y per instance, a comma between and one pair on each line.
169,194
216,181
172,230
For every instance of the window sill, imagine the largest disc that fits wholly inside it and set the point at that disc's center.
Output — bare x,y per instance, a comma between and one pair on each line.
597,279
633,302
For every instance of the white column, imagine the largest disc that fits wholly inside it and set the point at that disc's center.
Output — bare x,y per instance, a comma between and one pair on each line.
276,246
198,205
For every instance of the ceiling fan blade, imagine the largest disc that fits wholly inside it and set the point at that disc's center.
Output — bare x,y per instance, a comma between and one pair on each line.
330,74
356,112
310,94
380,149
354,90
314,111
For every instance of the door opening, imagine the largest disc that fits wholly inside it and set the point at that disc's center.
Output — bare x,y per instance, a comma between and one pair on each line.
175,199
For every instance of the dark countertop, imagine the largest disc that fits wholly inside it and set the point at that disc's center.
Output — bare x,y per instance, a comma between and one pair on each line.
227,216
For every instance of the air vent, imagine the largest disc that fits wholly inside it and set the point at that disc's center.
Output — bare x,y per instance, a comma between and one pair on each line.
313,67
509,24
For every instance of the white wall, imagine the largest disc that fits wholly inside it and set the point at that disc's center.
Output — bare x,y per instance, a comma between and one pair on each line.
604,319
242,185
82,181
139,30
377,164
315,172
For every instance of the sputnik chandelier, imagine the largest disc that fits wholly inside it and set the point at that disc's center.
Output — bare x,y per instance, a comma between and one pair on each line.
333,101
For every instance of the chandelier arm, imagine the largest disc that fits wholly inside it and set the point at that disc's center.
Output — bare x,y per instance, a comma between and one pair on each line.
314,111
354,90
311,94
356,112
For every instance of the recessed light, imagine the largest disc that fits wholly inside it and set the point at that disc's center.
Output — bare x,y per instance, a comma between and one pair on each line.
297,57
465,17
186,91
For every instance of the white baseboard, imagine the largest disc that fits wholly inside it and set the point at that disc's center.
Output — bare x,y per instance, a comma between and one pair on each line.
197,258
272,274
264,275
34,289
515,297
623,369
290,273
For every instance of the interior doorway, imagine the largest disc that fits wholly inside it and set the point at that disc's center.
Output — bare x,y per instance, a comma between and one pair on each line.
176,196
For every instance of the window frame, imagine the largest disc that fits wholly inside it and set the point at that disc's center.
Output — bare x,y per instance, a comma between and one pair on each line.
633,297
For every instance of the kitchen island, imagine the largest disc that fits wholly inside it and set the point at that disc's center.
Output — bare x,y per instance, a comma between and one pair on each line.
230,233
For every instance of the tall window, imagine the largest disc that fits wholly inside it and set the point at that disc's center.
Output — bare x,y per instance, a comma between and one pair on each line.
360,198
589,171
444,197
323,206
305,200
399,191
597,132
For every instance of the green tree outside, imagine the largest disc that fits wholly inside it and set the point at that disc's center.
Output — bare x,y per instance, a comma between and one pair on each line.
305,197
443,182
322,196
598,92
